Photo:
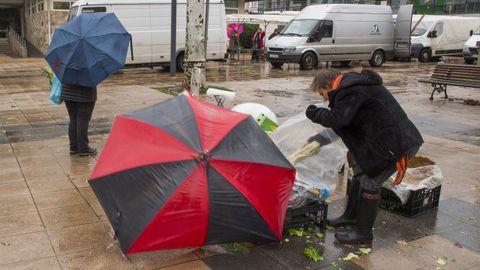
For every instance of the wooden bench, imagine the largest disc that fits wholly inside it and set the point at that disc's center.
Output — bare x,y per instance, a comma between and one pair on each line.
450,74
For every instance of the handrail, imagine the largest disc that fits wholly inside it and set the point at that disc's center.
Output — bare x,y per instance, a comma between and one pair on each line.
17,42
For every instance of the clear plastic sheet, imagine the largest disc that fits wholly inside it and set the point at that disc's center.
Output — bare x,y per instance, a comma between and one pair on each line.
317,153
428,177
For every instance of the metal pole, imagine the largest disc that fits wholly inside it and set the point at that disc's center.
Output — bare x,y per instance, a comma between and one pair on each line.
173,39
207,13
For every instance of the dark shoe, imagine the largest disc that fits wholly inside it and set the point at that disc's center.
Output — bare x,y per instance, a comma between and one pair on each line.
89,152
362,233
349,217
73,152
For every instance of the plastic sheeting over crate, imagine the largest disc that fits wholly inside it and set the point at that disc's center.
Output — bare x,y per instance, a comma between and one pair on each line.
317,166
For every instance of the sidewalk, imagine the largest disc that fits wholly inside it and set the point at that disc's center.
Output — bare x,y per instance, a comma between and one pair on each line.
50,218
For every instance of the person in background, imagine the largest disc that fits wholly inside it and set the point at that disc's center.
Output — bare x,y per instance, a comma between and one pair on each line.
234,45
378,134
80,101
257,43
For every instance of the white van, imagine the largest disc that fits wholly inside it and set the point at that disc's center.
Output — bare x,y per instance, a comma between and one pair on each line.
148,21
438,36
470,50
342,32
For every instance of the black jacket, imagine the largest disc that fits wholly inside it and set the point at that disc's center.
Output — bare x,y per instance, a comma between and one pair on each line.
370,122
78,93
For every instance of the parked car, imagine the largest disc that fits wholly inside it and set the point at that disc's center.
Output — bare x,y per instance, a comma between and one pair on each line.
149,24
342,32
470,50
437,36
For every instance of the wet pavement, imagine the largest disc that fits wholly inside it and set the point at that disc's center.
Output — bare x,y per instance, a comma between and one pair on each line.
50,218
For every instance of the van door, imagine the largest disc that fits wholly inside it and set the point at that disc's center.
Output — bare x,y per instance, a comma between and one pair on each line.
322,40
403,28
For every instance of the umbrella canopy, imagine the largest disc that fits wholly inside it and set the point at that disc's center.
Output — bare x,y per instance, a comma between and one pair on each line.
232,26
88,49
185,173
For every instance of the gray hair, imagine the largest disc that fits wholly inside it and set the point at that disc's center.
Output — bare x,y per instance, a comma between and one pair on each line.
323,79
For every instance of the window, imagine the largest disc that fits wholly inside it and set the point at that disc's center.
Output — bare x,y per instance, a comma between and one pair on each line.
439,28
94,9
326,29
62,4
72,13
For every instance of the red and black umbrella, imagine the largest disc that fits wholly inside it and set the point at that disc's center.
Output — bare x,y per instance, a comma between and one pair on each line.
185,173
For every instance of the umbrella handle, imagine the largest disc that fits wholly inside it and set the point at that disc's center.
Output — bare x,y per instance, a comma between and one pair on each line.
131,47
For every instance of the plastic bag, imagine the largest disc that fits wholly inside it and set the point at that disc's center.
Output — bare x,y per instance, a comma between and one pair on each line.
56,91
317,162
418,178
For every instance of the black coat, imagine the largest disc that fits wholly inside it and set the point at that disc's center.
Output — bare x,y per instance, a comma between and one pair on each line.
78,93
370,122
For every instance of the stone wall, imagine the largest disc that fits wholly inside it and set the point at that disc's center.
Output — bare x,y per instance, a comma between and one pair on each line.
37,27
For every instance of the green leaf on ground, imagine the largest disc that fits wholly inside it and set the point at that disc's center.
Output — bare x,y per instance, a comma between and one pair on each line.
309,241
334,264
319,235
330,228
238,248
312,254
297,232
350,256
441,261
472,218
365,250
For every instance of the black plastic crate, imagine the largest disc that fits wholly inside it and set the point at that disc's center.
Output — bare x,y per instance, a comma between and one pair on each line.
313,214
419,202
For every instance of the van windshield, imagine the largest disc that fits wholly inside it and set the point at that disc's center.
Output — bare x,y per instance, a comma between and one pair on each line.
72,13
477,32
421,29
299,27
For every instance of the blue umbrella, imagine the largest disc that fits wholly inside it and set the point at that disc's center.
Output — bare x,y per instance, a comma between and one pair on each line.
88,49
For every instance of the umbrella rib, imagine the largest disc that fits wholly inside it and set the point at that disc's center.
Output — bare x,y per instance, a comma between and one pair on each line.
68,61
70,42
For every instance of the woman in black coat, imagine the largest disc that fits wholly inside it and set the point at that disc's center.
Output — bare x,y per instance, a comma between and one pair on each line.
80,101
378,134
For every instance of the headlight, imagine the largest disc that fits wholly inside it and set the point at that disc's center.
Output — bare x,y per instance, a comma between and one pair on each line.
289,50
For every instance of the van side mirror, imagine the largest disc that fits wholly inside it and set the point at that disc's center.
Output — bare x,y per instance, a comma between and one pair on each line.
471,32
432,34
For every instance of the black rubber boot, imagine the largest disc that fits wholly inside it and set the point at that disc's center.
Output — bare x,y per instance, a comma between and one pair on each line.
367,213
349,217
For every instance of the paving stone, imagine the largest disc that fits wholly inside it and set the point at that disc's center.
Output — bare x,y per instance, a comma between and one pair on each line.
24,247
42,264
16,205
13,189
256,259
467,235
49,185
190,265
20,224
68,216
78,238
58,199
428,249
112,258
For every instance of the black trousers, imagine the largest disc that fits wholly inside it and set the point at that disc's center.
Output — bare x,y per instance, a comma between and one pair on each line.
373,185
80,114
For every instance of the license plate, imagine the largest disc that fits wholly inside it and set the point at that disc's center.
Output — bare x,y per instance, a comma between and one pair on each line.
273,55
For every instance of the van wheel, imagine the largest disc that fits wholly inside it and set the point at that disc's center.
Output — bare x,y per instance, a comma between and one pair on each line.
425,55
277,64
345,63
180,65
469,61
378,58
308,61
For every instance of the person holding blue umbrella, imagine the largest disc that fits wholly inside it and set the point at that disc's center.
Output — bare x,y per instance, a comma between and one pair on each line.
82,53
